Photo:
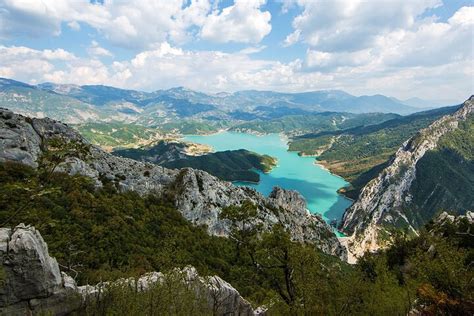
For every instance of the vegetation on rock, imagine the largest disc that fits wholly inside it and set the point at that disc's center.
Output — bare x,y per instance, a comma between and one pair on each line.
101,234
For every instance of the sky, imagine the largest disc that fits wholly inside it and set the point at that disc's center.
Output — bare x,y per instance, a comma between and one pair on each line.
399,48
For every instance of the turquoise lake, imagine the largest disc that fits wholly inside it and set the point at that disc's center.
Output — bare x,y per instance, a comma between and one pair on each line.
317,185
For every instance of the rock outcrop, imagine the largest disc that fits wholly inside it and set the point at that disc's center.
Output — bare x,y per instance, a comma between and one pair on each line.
30,280
218,295
447,218
382,202
199,196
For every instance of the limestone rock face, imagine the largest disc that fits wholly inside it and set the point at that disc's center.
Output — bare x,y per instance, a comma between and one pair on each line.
382,201
198,195
220,295
31,279
446,218
18,140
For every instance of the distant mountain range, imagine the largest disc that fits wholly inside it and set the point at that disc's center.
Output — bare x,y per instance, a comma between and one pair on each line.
94,103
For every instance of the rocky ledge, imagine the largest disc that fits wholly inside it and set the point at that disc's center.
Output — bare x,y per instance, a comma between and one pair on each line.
200,197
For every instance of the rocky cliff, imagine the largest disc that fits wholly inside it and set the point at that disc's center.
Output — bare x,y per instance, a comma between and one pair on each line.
384,203
199,196
31,281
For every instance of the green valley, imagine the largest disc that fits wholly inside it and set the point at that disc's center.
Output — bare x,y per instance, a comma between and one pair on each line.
313,123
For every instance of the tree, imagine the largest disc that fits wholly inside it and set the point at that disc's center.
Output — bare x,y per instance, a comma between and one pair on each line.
274,261
243,228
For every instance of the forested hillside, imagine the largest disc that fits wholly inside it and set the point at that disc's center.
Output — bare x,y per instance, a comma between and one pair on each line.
103,234
431,171
445,176
118,135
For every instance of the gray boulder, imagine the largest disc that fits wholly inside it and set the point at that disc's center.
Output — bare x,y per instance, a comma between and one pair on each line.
30,279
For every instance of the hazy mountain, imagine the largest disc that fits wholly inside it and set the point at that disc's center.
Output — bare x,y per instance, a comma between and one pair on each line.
32,101
73,103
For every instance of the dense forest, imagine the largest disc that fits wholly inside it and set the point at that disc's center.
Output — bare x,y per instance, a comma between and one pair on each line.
230,165
103,234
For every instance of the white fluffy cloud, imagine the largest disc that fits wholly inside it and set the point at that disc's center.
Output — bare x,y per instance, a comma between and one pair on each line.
242,22
427,44
419,57
348,25
58,65
138,23
124,23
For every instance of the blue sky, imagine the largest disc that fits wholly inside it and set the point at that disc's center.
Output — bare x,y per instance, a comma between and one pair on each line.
401,48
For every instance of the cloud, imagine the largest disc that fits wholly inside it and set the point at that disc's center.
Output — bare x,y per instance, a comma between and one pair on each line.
428,44
138,24
292,38
58,65
26,18
74,25
429,59
124,23
95,50
252,50
242,22
324,61
168,66
350,25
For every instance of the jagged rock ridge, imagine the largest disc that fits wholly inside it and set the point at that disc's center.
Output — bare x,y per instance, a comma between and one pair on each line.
199,196
382,202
